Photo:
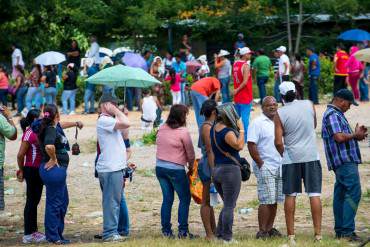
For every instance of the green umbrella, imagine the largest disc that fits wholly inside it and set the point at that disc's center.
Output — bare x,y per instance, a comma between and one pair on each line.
123,76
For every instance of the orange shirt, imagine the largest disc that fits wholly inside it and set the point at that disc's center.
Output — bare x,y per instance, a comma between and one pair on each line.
206,86
4,81
341,58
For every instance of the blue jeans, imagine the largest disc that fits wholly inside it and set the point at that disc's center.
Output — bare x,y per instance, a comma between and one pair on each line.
364,91
172,180
225,89
4,96
89,100
21,95
347,195
112,189
198,100
313,91
261,82
244,111
33,96
276,90
69,95
130,98
51,95
108,90
124,220
56,201
183,93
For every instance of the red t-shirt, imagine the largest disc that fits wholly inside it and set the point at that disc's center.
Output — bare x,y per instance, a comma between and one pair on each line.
206,86
245,96
33,155
340,65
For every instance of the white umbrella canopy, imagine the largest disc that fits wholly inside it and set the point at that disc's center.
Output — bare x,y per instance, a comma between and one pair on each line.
363,55
120,50
102,50
50,58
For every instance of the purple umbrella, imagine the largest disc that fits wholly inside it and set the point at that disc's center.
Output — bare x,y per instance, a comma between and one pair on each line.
134,60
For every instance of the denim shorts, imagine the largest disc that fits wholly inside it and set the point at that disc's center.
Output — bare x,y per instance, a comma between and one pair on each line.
204,171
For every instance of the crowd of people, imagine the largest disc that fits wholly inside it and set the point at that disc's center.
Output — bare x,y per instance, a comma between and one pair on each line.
281,142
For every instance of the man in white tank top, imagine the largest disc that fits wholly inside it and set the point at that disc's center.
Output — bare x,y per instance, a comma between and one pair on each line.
295,140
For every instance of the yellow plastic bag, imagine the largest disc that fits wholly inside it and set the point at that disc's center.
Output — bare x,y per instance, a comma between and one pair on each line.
196,186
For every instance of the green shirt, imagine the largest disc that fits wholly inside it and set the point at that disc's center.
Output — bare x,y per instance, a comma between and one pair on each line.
6,130
262,65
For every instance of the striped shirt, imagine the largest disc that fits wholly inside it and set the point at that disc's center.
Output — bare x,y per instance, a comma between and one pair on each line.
33,155
276,65
336,153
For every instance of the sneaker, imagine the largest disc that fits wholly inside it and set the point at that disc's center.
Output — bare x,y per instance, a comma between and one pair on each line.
291,240
72,113
275,233
262,235
38,237
27,239
114,238
62,242
183,235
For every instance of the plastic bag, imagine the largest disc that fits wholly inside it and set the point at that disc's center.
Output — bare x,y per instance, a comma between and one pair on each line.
196,186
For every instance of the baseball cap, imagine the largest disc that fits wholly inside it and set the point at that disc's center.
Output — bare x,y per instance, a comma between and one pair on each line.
286,86
281,48
241,35
244,50
346,95
108,97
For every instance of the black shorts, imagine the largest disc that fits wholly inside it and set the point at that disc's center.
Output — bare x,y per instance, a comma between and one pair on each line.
293,174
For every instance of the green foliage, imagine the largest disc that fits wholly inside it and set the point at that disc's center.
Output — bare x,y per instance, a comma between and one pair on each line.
326,76
150,138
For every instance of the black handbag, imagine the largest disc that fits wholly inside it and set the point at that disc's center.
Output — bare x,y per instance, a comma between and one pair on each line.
245,168
75,146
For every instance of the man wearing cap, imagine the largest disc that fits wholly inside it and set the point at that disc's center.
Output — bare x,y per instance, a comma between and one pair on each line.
284,64
223,68
240,43
343,157
243,94
110,163
261,68
295,140
313,74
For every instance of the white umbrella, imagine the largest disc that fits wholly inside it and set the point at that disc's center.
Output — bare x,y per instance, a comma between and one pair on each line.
103,50
121,49
363,55
50,58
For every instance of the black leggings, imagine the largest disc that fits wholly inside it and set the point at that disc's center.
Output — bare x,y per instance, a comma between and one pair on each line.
34,192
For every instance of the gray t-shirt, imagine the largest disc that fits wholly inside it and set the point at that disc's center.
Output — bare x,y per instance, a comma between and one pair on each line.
224,71
297,118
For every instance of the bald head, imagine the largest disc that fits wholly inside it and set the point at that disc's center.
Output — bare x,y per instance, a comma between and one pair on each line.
269,106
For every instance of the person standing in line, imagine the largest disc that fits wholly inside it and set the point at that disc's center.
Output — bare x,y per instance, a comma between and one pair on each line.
89,96
261,67
354,68
276,77
175,81
9,131
240,43
295,140
175,151
180,68
157,68
243,94
226,174
69,90
343,157
314,70
266,166
364,83
204,69
34,90
223,67
94,51
168,61
205,167
110,164
20,89
298,75
284,64
49,79
149,106
17,59
4,86
340,70
74,55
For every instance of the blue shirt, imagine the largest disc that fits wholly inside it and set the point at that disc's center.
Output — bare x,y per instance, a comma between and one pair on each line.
337,153
311,59
91,71
180,68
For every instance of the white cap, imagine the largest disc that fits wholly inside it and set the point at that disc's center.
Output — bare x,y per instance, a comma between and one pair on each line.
286,86
223,53
244,50
281,48
202,58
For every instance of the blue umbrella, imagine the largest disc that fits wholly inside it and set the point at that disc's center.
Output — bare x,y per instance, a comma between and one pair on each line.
354,35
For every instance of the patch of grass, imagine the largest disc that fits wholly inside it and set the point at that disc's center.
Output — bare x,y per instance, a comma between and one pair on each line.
146,172
367,162
366,196
150,138
88,146
253,204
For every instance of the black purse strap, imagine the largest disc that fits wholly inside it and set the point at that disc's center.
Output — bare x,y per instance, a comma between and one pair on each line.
227,154
76,133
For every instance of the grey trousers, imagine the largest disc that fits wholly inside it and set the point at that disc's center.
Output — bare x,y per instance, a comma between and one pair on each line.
227,180
2,203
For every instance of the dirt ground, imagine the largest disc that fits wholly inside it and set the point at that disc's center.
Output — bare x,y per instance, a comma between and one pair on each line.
143,194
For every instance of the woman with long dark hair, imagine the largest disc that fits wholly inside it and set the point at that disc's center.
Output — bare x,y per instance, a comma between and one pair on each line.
34,91
175,80
29,160
20,89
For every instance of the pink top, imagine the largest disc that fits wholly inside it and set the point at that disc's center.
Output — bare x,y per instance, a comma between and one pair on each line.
353,65
176,86
175,145
33,155
4,81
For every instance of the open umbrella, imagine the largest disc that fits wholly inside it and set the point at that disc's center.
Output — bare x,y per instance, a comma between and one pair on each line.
354,35
121,50
123,76
134,60
363,55
192,66
50,58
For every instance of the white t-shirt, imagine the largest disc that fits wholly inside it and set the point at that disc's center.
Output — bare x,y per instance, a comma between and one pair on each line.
282,60
262,132
149,108
112,147
17,53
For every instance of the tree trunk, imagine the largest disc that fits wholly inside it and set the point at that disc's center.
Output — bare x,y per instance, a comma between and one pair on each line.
290,46
300,24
